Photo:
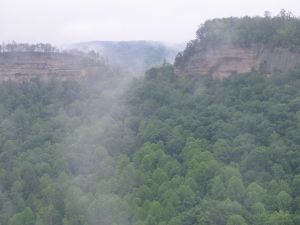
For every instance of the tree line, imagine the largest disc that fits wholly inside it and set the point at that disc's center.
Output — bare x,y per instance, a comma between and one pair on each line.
25,47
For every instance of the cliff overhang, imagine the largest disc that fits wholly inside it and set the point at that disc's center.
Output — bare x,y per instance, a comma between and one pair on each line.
222,61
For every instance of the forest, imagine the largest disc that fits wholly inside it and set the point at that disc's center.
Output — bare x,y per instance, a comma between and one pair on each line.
161,149
170,151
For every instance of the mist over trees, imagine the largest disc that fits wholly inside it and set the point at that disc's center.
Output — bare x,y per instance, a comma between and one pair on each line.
137,56
25,47
46,48
170,151
163,150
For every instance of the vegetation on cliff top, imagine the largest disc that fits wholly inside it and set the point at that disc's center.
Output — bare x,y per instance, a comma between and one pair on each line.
282,30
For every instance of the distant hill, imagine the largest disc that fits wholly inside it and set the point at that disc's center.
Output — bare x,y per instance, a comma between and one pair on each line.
135,55
23,61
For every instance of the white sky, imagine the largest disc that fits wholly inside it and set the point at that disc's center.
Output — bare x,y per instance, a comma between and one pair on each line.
68,21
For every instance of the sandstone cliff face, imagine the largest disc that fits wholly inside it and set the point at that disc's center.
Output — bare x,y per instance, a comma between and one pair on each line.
223,61
20,66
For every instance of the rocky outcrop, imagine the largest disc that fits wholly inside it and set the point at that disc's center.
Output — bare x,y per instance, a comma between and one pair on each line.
225,60
20,66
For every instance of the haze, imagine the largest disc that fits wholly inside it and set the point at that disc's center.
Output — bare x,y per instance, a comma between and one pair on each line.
69,21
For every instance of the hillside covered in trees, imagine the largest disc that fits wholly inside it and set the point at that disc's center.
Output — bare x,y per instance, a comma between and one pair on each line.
173,152
163,150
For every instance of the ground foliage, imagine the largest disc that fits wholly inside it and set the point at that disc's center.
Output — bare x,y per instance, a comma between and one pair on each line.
170,151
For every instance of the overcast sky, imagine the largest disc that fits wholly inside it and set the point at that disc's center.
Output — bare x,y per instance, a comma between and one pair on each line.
69,21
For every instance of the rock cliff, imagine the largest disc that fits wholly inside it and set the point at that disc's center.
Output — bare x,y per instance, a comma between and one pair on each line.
225,60
20,66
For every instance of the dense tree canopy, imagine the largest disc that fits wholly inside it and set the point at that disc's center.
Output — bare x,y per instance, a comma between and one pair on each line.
167,151
170,151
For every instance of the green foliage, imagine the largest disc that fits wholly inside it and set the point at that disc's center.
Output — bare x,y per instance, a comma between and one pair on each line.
23,218
168,152
237,155
236,220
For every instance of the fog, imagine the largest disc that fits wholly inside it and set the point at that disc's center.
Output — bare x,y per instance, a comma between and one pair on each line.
67,21
116,147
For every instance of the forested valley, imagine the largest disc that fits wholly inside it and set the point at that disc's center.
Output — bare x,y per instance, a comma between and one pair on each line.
170,152
161,149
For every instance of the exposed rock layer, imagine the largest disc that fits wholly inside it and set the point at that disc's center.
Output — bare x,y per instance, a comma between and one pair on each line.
223,61
21,66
